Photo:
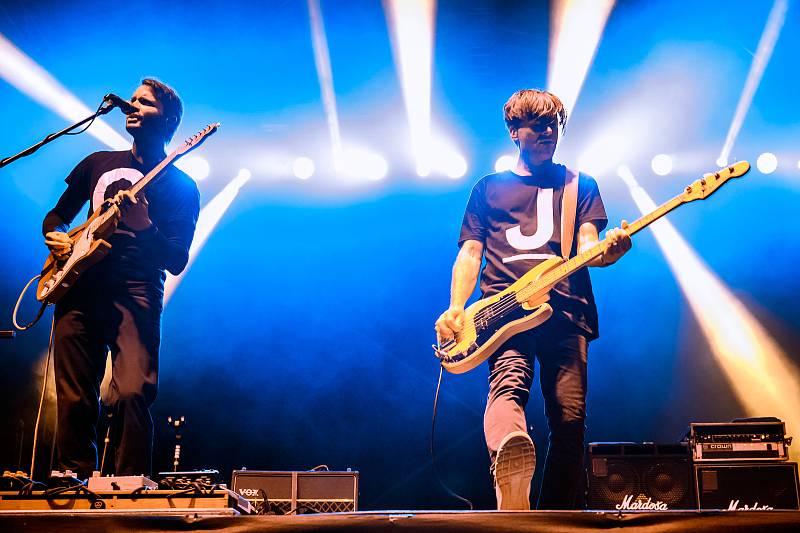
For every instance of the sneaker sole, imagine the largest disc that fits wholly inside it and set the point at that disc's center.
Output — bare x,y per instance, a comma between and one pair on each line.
514,468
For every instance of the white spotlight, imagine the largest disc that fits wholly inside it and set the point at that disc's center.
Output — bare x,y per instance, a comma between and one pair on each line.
661,164
722,162
446,159
767,163
360,163
303,168
197,167
505,162
375,166
453,165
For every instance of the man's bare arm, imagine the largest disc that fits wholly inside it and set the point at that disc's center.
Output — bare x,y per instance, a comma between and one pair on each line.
465,276
618,242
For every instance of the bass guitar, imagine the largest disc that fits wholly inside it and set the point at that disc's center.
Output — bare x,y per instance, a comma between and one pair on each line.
489,322
89,244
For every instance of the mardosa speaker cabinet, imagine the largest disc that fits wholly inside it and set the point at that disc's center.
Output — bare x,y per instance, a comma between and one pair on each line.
747,486
298,492
629,476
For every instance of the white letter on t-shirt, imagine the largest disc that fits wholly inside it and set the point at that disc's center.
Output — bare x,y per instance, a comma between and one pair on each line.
544,225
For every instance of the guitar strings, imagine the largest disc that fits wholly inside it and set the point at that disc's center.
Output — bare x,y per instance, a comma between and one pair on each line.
502,306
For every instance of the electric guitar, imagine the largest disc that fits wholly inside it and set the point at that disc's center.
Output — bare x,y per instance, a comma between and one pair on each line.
89,244
489,322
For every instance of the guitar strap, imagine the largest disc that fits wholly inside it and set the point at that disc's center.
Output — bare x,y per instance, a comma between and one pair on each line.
569,206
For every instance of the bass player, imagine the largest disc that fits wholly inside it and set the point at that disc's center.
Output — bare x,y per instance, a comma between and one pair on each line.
513,219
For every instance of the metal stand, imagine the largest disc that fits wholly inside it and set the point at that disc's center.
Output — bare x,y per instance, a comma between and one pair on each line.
53,136
176,424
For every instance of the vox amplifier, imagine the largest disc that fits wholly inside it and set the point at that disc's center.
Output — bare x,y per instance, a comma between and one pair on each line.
629,476
281,492
747,486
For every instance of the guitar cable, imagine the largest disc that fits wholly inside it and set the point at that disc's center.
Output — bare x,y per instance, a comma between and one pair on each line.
444,485
19,301
41,396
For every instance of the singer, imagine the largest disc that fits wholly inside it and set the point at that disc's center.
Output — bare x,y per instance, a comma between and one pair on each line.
116,304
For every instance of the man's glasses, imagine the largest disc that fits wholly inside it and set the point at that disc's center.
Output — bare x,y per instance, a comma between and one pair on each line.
540,126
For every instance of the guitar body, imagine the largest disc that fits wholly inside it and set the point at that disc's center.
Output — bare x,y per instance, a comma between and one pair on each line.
490,322
89,245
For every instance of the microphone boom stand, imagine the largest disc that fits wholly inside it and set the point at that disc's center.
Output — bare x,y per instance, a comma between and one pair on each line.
54,136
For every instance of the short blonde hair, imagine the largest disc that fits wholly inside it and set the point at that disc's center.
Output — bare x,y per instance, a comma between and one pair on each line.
533,104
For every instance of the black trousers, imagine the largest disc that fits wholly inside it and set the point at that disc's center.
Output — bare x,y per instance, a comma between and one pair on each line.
93,317
562,351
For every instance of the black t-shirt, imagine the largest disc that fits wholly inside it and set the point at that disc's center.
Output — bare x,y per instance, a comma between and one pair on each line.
518,220
174,205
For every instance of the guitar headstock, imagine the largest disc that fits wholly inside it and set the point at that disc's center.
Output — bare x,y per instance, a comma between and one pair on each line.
709,183
197,139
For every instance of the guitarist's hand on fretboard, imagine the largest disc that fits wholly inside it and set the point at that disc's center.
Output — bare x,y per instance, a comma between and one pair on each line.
134,210
618,242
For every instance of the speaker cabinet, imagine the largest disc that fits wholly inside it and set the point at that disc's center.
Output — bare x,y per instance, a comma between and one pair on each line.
298,492
629,476
747,486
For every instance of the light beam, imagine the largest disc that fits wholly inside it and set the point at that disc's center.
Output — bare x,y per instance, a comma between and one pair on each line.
30,78
759,372
763,54
322,60
575,28
208,219
412,23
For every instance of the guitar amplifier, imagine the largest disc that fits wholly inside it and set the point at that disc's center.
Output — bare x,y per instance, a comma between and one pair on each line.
629,476
282,492
743,440
747,486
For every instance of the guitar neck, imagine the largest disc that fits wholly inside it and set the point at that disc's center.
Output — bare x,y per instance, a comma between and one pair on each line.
574,264
153,174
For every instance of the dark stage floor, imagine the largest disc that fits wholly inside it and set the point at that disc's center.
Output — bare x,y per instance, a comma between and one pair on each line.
408,521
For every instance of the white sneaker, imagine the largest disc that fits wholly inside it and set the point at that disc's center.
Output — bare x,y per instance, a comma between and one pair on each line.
514,466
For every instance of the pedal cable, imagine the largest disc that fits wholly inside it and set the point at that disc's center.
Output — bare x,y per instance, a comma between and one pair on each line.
433,454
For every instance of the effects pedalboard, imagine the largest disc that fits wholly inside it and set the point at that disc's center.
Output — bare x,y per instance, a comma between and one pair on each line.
196,493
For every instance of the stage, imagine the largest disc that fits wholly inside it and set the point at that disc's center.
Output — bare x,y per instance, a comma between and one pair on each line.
409,521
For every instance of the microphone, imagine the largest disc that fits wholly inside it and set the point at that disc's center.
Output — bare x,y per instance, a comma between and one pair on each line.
123,105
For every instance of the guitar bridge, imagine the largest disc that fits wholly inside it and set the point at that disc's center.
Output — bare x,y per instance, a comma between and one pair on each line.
441,351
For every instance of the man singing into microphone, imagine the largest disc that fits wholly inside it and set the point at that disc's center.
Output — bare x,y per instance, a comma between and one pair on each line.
116,304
